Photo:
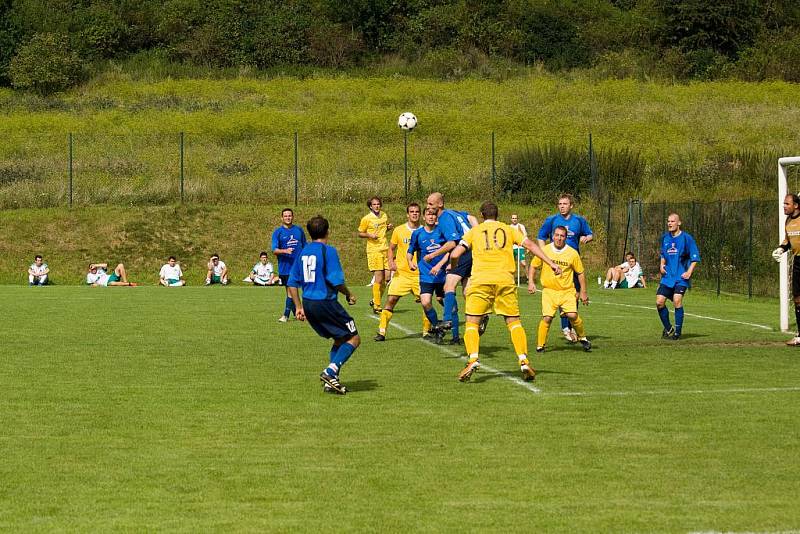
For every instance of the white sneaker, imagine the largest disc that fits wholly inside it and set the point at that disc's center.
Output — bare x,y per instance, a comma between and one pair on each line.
208,282
570,335
283,319
794,342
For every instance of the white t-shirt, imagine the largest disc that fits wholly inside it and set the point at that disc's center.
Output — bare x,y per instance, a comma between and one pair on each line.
521,228
263,271
218,268
100,278
38,270
168,272
632,274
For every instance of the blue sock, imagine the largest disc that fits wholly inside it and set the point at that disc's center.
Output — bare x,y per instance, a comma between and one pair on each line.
449,302
287,307
432,317
455,317
663,313
678,320
343,354
292,307
332,357
565,322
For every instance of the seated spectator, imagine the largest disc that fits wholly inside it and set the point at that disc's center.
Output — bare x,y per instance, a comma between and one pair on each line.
626,275
97,276
171,274
263,274
37,272
217,271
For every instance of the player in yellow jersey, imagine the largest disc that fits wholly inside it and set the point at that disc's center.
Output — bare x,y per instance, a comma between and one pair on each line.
559,287
373,228
405,280
492,285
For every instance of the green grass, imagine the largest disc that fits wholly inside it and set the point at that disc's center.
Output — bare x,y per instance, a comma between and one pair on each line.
156,409
239,134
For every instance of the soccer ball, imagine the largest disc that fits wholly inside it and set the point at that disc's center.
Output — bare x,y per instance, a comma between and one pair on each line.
407,121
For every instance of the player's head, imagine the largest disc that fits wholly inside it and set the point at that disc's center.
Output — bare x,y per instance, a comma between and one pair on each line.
514,218
375,204
435,201
630,258
263,256
791,203
673,222
172,260
38,259
560,236
317,227
565,204
489,210
215,258
431,216
92,268
413,212
287,216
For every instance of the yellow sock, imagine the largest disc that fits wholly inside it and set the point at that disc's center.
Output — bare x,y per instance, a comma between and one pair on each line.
518,338
376,295
577,324
386,316
472,340
426,324
541,338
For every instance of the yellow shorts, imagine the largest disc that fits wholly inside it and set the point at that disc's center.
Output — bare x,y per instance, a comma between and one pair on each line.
483,298
378,261
401,286
553,299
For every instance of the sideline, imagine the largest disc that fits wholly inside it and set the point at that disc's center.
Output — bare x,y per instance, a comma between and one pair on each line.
666,392
754,325
516,380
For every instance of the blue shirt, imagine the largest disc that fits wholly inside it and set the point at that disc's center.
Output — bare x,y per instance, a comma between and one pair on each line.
317,272
424,242
678,252
292,237
454,224
577,227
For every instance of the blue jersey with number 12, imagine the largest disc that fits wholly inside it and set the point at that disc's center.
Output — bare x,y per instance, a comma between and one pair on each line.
317,272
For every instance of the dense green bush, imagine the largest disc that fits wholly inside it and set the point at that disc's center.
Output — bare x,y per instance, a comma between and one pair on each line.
774,56
45,64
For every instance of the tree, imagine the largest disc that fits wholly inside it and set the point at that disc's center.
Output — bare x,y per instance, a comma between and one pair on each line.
45,64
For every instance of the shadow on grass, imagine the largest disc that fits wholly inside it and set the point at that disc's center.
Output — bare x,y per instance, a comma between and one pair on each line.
361,385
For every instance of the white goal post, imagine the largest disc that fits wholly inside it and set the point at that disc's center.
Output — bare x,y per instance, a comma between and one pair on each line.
783,189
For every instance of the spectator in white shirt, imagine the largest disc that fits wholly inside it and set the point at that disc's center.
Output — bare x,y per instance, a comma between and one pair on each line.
625,275
98,277
217,271
262,273
37,272
171,274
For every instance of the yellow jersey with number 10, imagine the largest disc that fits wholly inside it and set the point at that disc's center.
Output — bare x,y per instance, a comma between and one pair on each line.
492,244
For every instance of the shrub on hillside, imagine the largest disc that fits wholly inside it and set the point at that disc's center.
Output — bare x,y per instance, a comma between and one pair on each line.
774,56
45,64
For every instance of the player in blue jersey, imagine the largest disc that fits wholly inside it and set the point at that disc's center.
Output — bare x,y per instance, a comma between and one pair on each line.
578,232
287,242
318,272
453,224
425,240
679,257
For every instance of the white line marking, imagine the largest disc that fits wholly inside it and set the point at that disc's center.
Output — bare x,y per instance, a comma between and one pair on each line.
670,392
686,313
518,381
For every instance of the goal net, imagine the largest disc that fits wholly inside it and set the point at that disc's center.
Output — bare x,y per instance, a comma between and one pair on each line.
787,176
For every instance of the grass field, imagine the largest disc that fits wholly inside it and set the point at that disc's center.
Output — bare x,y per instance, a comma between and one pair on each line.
155,409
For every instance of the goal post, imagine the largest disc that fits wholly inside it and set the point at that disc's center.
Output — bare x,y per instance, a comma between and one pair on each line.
783,190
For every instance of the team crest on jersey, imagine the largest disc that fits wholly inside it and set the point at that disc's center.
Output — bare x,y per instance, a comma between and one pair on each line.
672,248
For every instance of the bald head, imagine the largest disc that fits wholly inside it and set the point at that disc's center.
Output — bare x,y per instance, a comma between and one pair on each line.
435,201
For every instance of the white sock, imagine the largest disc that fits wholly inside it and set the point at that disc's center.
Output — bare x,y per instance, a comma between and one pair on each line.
613,285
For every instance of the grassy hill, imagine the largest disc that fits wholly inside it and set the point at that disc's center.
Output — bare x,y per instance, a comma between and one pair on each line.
239,145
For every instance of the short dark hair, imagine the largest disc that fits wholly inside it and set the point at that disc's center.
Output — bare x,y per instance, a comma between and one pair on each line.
561,228
412,205
795,198
489,210
317,227
37,257
172,258
284,210
369,202
263,253
214,256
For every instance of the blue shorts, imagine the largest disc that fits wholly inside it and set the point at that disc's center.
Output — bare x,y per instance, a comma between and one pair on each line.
284,278
431,288
329,319
464,266
670,292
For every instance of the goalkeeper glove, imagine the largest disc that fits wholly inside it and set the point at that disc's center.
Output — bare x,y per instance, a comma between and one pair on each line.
777,254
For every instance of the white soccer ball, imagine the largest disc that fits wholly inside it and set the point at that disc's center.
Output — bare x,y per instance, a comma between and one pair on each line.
407,121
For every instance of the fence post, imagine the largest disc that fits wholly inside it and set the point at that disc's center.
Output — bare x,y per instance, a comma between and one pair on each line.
719,248
592,167
296,182
181,167
70,169
494,167
405,163
750,251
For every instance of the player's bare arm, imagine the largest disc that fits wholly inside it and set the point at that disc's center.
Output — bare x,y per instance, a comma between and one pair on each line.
344,290
583,295
439,266
689,271
532,279
586,239
537,251
367,235
390,257
662,266
299,313
444,249
412,263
